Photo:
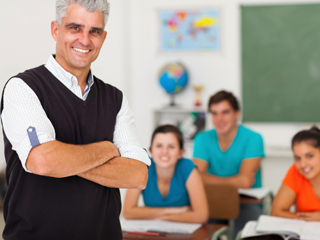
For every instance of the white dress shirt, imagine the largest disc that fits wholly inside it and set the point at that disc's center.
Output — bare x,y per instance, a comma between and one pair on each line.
22,109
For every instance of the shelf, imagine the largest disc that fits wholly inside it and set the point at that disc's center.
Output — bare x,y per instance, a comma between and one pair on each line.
189,120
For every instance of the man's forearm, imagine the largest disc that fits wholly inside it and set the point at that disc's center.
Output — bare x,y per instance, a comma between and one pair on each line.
57,159
119,172
212,179
239,181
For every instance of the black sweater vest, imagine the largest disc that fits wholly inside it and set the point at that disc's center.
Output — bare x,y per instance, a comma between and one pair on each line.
38,207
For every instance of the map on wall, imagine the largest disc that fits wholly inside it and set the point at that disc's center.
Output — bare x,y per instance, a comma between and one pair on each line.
190,30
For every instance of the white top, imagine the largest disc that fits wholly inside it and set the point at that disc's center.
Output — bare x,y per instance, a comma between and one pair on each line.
22,109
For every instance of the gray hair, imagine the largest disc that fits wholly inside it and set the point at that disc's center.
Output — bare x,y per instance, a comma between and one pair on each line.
90,5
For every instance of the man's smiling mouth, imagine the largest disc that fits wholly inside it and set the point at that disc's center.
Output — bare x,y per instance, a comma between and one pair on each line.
80,50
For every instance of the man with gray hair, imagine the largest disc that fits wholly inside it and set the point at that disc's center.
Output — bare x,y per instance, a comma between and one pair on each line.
70,139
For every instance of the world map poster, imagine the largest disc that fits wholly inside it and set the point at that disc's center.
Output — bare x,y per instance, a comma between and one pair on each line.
190,30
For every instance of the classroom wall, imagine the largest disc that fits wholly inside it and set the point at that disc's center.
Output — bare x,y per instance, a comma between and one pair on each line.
130,58
215,70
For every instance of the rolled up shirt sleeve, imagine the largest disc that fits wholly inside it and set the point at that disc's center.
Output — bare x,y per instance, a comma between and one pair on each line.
25,122
125,136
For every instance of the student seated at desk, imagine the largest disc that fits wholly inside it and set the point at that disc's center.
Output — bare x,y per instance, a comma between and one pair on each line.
174,191
301,185
230,154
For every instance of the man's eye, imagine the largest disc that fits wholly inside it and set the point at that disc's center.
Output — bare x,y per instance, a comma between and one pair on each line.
75,28
95,32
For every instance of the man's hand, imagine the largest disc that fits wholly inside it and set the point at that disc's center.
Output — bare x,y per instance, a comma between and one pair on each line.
119,172
247,173
244,180
309,216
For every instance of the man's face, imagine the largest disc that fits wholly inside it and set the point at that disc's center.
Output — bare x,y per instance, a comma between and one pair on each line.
224,117
79,38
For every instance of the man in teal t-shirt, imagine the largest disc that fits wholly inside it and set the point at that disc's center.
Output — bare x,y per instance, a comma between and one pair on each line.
230,153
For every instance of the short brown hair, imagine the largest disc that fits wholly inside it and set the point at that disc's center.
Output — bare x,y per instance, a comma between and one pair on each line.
224,96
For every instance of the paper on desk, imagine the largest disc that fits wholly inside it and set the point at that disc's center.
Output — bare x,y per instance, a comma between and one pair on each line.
307,230
158,226
258,193
311,230
279,225
249,231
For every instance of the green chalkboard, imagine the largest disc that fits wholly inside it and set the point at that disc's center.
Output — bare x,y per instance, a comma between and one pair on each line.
280,63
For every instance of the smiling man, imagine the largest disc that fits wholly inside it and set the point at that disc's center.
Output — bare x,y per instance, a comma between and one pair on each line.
70,139
231,153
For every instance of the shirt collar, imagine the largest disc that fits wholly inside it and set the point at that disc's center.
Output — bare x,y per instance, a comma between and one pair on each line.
65,77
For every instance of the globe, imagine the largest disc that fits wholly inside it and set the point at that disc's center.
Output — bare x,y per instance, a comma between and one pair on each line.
173,79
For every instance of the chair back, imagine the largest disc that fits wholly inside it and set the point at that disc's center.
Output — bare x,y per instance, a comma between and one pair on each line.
224,201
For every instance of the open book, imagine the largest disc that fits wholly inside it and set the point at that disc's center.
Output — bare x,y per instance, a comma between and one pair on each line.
158,226
287,228
258,193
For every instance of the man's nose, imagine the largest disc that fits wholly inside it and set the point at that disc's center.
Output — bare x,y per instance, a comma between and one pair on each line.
85,39
219,117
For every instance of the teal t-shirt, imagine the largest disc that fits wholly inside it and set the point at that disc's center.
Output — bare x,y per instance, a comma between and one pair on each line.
246,144
177,195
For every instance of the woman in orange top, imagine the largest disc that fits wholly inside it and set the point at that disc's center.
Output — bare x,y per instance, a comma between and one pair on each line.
301,186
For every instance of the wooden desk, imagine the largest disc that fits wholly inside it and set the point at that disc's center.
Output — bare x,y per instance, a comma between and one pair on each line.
250,200
203,233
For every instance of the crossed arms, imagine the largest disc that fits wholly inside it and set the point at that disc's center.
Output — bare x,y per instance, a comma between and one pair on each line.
98,162
244,179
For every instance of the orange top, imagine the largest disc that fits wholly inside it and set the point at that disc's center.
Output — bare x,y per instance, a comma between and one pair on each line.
307,200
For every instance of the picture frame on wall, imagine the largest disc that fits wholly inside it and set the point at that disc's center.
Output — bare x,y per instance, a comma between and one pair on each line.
190,30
